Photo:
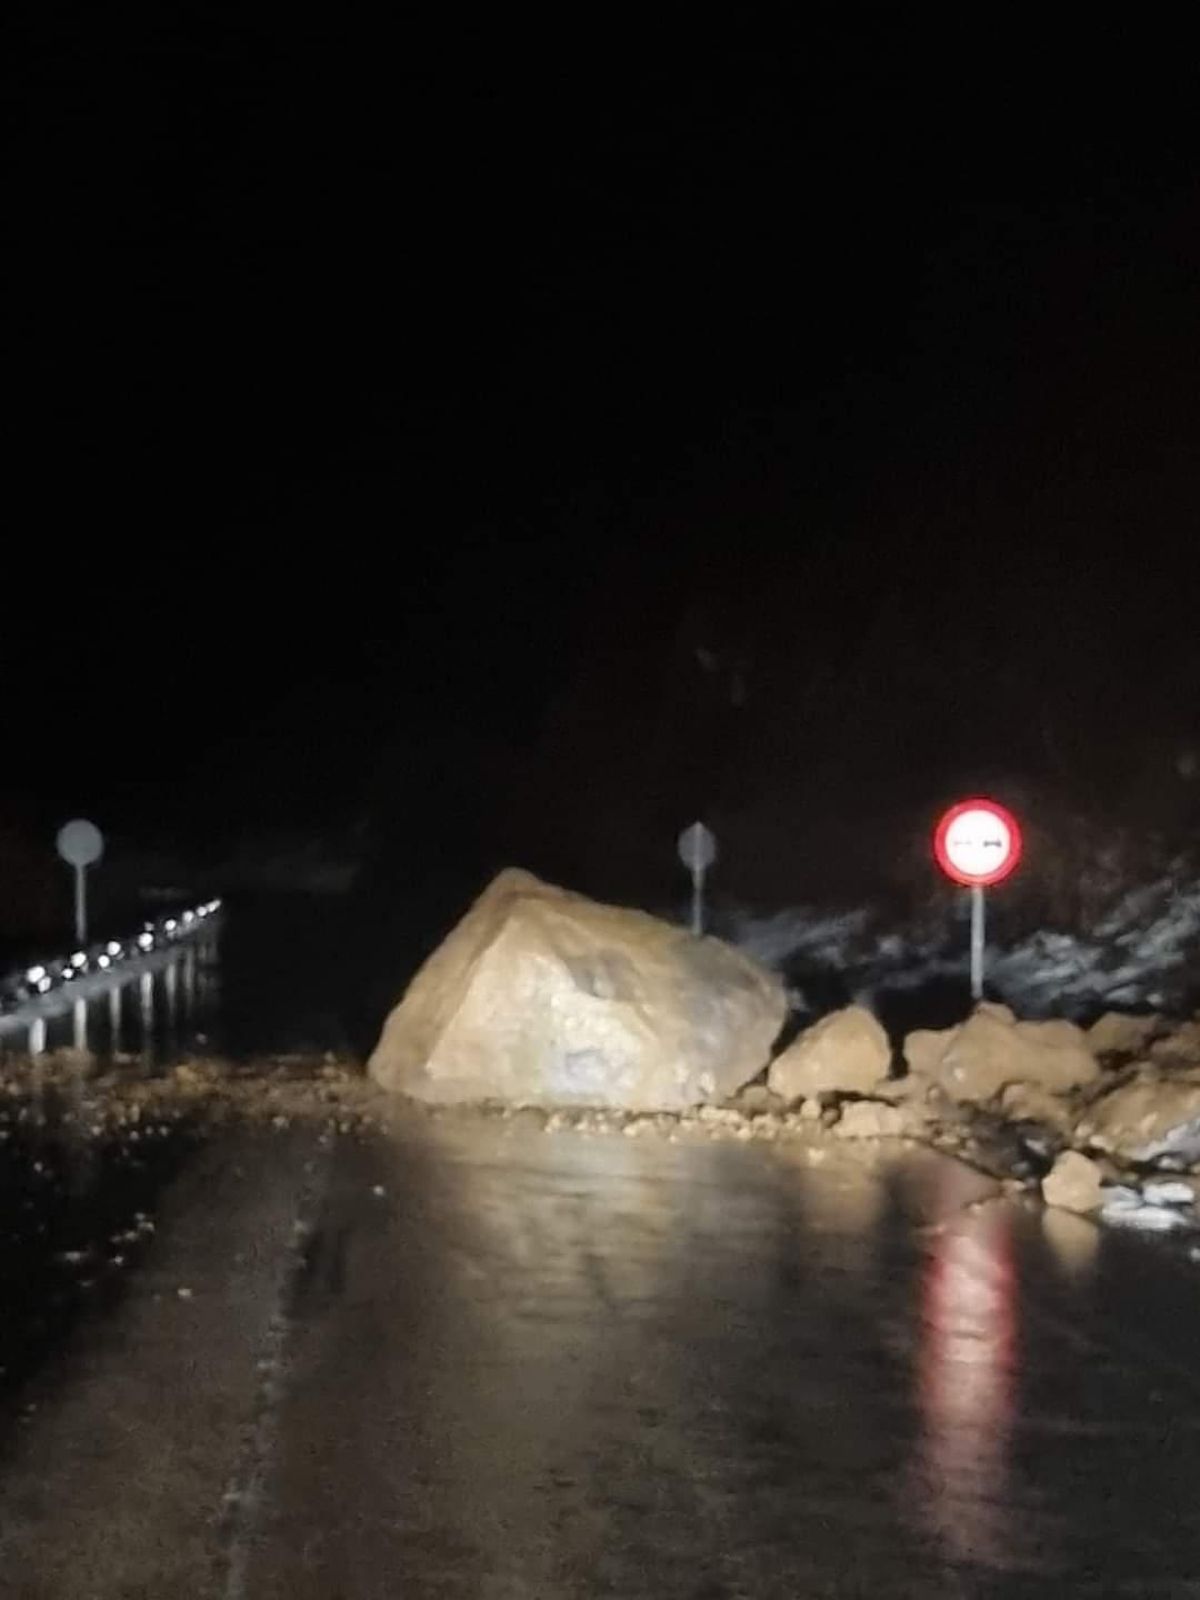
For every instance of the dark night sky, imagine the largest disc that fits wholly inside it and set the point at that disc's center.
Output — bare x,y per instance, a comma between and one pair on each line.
370,392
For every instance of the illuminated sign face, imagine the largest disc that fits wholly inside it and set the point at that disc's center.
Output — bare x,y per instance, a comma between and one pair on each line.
977,843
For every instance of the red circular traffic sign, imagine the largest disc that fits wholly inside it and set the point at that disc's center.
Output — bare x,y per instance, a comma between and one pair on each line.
977,843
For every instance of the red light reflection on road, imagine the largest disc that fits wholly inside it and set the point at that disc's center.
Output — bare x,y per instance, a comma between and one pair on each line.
966,1372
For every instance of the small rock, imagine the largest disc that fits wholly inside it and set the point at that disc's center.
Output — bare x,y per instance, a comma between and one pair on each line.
810,1110
757,1097
378,1191
1074,1183
870,1119
184,1294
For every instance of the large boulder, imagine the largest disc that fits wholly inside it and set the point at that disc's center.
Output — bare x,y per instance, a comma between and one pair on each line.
1152,1117
924,1048
975,1061
540,996
847,1052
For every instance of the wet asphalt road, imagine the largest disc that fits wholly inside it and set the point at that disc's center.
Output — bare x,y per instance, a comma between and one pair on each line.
473,1359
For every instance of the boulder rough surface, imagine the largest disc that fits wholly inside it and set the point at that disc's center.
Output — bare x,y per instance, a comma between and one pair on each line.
1179,1048
1029,1102
923,1052
544,997
871,1119
1073,1183
991,1049
1117,1034
847,1052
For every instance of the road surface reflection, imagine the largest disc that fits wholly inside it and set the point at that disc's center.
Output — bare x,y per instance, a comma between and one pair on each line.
969,1310
546,1366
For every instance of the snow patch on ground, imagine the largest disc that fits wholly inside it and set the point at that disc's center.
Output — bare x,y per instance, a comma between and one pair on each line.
1143,951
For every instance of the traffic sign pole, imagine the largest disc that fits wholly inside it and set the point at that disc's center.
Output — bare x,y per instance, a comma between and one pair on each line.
977,941
698,902
697,850
80,845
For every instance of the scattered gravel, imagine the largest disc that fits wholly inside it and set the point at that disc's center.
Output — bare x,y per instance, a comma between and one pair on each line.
60,1093
57,1099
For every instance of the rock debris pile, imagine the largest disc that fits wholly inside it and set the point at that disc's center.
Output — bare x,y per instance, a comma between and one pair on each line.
609,1021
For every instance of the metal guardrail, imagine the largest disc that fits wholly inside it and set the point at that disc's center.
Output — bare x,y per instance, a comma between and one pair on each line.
23,988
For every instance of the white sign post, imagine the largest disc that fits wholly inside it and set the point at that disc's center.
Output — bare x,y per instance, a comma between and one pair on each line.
977,843
978,940
80,844
697,851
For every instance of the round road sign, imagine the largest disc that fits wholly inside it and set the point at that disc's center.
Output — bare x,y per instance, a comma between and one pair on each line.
977,843
697,848
80,843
